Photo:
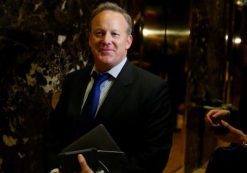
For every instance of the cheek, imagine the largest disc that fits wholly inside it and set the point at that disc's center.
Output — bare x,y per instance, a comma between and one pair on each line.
92,41
96,42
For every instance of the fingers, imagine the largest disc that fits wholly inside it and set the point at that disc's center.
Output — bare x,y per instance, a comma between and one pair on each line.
218,113
227,125
213,116
210,116
235,135
83,163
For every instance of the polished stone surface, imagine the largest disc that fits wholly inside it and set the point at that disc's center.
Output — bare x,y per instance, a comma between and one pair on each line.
40,42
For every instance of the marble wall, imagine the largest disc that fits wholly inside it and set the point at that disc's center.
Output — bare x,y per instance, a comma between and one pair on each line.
40,41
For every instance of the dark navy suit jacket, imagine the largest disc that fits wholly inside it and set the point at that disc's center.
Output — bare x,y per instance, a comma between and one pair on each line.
136,111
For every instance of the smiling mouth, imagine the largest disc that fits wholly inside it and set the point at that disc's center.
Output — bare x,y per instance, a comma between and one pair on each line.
106,50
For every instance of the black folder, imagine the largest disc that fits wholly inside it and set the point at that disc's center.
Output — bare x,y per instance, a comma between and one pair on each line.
99,149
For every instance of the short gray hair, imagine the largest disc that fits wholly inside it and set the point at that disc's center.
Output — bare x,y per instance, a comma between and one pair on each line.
112,7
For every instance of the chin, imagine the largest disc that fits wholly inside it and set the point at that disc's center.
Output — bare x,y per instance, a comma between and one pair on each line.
106,59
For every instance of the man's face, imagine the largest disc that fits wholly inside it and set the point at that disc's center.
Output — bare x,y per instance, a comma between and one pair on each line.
108,39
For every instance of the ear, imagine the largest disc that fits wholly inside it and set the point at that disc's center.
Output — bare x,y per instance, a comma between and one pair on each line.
129,41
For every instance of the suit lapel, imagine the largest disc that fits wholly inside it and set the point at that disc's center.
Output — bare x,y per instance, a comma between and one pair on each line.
118,92
83,79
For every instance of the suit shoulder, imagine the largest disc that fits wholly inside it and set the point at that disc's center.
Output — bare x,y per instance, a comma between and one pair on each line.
79,72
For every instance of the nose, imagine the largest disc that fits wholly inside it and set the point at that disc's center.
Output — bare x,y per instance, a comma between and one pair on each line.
107,38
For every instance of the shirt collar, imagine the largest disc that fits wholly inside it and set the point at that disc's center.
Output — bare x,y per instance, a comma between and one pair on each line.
115,70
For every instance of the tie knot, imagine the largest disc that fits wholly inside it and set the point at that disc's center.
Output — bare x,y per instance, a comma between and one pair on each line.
99,78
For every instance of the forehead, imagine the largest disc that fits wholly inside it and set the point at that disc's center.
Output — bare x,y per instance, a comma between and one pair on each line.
108,18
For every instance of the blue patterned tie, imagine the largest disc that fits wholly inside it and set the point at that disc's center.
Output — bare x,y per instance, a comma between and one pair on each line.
92,101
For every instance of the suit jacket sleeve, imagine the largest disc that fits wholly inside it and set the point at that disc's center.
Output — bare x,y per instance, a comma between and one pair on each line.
157,133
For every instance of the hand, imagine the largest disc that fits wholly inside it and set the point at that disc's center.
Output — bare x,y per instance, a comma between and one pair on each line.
83,163
234,135
213,117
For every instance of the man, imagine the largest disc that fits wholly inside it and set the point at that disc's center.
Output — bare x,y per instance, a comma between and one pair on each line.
134,104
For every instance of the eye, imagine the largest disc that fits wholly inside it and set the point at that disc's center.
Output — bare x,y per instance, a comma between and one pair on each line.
99,33
115,34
